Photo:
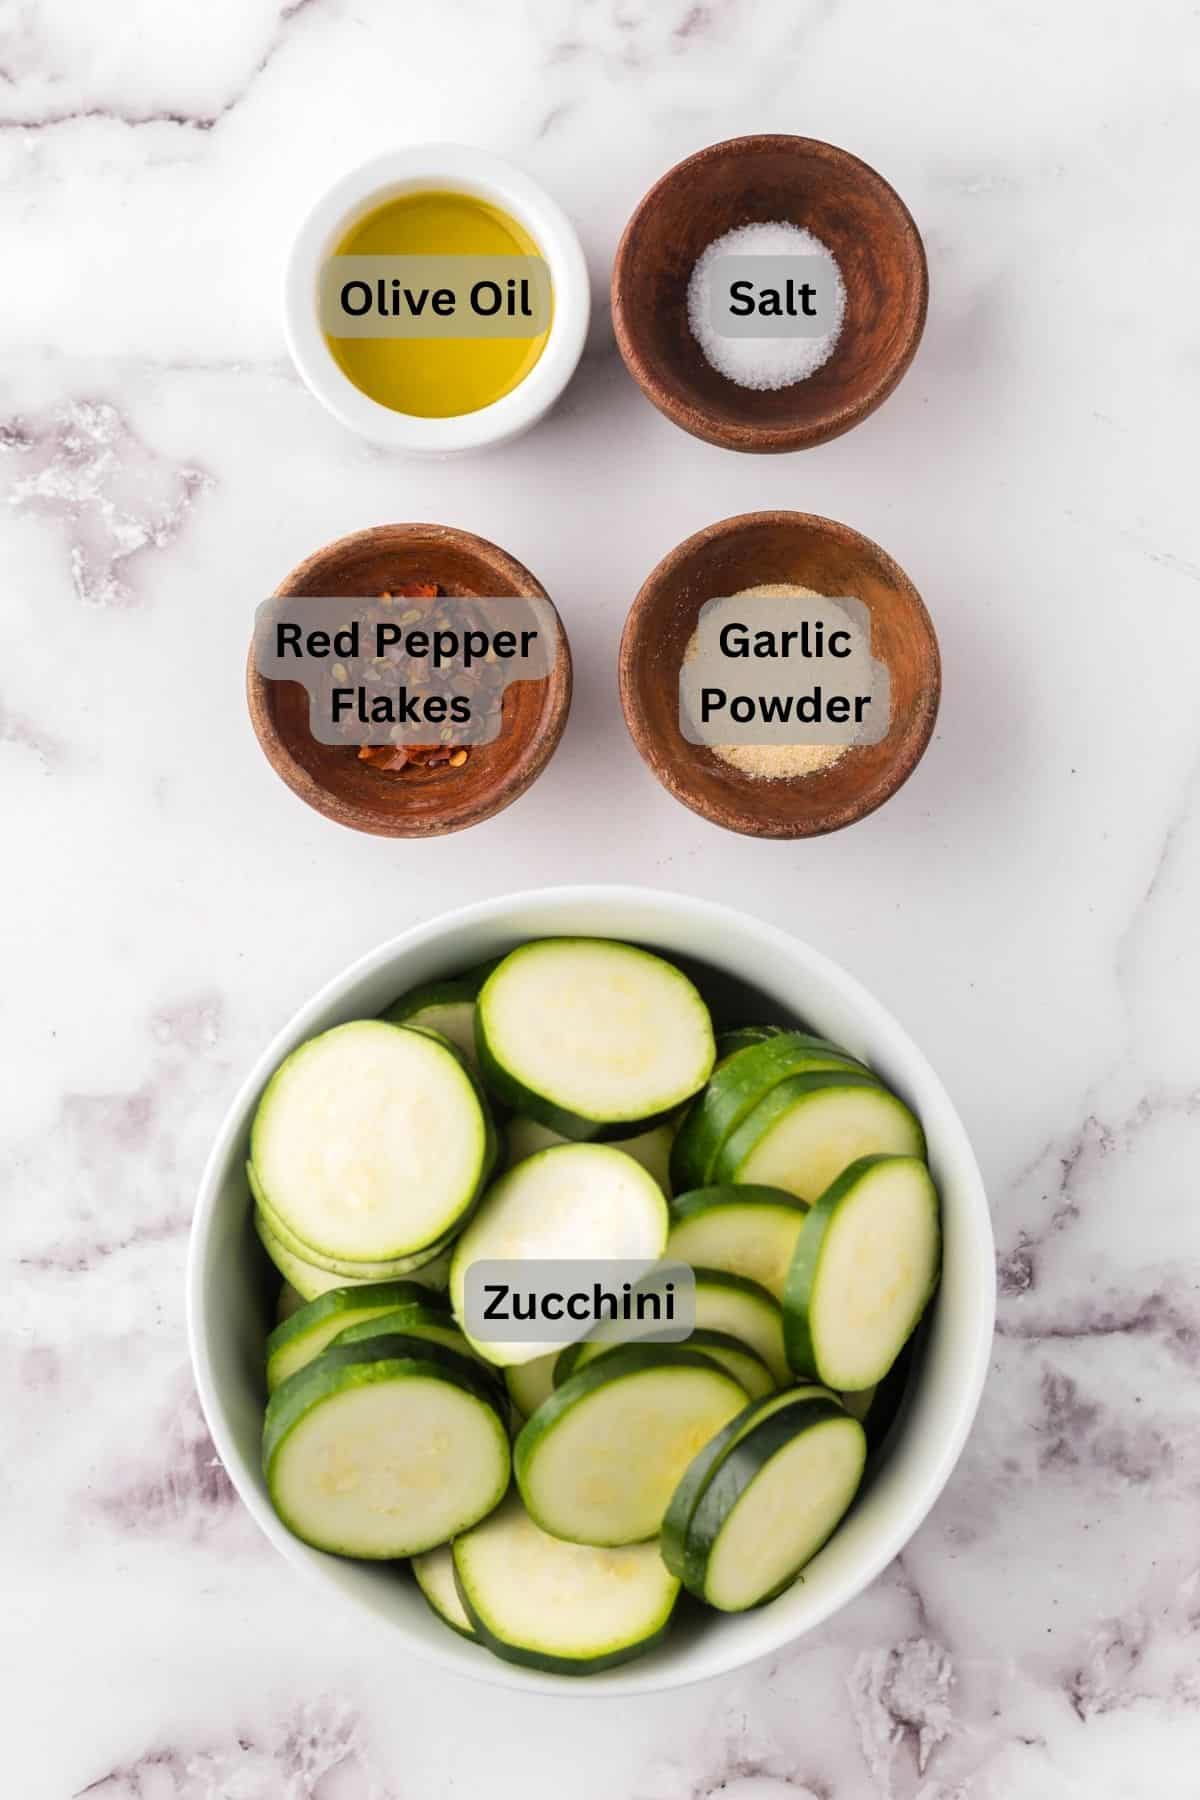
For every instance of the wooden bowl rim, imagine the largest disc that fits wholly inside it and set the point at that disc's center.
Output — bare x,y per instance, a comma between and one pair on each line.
750,819
537,752
730,434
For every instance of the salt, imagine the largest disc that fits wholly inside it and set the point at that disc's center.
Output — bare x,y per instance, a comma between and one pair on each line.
766,362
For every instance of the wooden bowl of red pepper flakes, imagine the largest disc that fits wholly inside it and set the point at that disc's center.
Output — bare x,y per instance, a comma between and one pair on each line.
412,790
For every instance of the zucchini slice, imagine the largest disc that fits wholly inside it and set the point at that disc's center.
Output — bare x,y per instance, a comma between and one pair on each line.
774,1498
744,1309
744,1364
866,1265
305,1277
374,1452
430,1323
389,1270
735,1089
600,1458
530,1383
576,1201
315,1323
371,1143
569,1609
592,1037
446,1007
525,1137
809,1128
699,1471
434,1570
749,1231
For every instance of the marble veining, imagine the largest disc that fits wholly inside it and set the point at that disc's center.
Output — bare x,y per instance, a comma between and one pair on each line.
1026,905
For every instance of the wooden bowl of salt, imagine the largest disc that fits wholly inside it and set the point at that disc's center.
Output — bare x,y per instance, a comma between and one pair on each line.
747,193
762,796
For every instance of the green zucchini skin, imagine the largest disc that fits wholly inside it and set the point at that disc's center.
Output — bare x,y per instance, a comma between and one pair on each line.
696,1477
772,1106
702,1200
742,1036
428,1591
568,1123
702,1338
802,1351
323,1318
351,1271
425,1325
735,1471
557,1665
626,1361
735,1088
531,1656
382,1359
308,1280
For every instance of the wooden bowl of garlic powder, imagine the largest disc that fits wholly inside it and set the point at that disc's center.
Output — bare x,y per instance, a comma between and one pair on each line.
789,790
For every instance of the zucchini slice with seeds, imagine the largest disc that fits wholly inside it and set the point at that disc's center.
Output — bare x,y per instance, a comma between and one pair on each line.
865,1268
594,1038
370,1143
750,1231
600,1459
699,1471
569,1609
576,1201
775,1496
374,1452
807,1129
735,1089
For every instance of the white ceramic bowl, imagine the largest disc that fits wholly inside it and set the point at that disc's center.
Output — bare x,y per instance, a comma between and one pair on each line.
467,171
752,970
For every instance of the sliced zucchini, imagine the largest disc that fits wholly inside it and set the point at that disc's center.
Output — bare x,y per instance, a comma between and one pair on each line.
735,1089
600,1458
750,1231
389,1270
525,1137
318,1322
809,1128
773,1499
698,1473
530,1383
371,1143
577,1201
447,1007
305,1277
434,1570
741,1037
858,1404
435,1274
744,1309
375,1454
566,1608
422,1324
744,1364
866,1265
592,1037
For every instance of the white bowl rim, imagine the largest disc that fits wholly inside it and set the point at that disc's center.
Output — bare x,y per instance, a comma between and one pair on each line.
974,1353
472,171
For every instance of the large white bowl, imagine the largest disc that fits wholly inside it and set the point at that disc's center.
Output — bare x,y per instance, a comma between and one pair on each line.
752,971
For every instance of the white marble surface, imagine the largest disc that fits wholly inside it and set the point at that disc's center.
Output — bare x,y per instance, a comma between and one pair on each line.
1023,904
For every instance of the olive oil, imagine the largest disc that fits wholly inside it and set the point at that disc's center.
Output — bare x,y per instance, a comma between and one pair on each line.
438,377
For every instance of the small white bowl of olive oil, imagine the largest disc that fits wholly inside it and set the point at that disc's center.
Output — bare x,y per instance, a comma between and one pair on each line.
445,393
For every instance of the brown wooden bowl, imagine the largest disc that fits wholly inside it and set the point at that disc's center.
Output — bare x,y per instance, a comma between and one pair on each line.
747,551
759,180
412,802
